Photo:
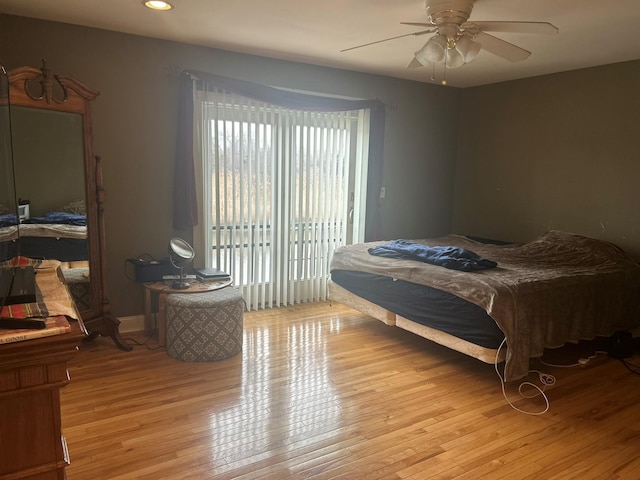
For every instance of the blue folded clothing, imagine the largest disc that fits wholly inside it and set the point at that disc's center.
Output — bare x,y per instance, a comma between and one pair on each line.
8,220
62,218
455,258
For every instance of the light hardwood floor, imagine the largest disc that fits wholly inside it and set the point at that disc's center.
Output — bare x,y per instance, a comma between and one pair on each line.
322,391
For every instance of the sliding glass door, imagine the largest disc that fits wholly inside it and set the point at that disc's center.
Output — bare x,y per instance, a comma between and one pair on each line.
282,189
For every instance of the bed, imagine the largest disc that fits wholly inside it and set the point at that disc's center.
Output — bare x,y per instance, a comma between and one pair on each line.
559,288
56,235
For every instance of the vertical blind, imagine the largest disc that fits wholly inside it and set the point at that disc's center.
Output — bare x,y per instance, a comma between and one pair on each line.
281,189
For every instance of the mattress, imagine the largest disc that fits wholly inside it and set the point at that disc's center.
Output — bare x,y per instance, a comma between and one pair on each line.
424,305
53,230
63,249
66,243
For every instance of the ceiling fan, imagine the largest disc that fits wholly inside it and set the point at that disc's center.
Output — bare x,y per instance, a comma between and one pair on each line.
458,41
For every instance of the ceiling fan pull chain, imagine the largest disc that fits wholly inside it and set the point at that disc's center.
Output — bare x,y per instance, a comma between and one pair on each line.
444,75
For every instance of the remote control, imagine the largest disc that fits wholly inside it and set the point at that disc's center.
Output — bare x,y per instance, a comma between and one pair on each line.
23,323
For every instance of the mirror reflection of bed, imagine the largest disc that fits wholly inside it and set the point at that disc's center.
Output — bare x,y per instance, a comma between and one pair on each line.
58,187
61,235
50,183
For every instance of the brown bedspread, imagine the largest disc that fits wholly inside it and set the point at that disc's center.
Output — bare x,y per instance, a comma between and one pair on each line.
559,288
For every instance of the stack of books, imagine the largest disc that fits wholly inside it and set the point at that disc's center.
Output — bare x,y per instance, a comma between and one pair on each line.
212,275
18,331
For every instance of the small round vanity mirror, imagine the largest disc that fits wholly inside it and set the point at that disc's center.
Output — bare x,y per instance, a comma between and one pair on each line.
181,254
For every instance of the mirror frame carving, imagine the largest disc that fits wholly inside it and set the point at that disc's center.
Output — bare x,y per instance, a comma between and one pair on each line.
66,94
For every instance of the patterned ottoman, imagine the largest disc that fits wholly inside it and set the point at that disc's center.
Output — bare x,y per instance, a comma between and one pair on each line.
78,283
204,327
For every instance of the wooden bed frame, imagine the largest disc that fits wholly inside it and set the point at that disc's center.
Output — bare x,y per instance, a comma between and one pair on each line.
343,296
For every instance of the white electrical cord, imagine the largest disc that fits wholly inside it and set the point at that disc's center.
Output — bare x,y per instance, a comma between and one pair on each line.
546,379
580,363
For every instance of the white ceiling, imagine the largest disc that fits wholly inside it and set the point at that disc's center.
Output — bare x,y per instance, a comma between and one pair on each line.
592,32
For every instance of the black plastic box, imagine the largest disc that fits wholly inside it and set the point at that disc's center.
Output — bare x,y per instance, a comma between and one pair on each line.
151,270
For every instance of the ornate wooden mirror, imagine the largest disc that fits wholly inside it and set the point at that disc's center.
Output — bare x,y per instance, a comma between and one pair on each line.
58,182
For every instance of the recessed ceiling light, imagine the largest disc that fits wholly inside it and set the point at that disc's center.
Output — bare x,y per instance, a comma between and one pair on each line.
157,5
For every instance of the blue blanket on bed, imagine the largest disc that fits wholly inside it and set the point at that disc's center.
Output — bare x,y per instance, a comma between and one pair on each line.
62,218
455,258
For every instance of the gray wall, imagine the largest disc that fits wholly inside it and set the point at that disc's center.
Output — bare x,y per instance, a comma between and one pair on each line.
134,120
553,152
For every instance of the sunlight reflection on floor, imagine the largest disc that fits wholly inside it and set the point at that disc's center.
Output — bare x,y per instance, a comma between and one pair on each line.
302,404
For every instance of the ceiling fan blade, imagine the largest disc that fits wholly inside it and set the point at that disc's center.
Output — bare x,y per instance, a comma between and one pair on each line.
414,64
414,34
418,24
514,27
502,49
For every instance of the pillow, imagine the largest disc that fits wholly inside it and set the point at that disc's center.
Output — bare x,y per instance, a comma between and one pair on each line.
76,207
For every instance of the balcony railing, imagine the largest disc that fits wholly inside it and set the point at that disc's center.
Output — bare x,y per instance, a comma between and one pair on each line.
246,250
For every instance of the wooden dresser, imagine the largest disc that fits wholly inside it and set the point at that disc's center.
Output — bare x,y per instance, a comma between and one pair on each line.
32,372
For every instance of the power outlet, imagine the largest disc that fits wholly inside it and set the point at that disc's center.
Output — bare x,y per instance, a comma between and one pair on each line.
383,192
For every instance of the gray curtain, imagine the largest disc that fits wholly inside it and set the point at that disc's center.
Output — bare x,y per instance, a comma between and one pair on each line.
185,212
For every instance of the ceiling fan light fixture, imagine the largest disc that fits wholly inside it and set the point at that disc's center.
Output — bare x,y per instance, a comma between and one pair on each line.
453,58
433,51
467,48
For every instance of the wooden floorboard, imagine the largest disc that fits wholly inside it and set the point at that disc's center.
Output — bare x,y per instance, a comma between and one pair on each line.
322,391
